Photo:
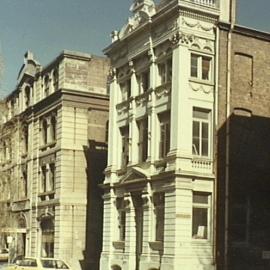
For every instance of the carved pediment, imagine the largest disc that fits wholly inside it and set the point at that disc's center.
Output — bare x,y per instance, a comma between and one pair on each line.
142,11
134,174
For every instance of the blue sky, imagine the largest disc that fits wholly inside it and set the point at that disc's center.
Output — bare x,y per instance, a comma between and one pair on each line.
46,27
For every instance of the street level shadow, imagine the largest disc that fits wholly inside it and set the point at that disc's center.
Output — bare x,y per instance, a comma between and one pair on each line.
248,197
96,156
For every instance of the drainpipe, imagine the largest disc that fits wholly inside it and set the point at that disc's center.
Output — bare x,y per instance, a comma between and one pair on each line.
228,113
215,154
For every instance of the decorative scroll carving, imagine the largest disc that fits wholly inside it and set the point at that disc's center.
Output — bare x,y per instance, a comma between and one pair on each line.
183,38
163,90
205,90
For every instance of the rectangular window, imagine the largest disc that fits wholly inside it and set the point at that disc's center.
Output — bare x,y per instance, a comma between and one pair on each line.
125,88
164,143
25,140
165,71
143,139
201,215
159,203
24,183
120,205
200,67
52,177
125,146
143,80
43,179
201,132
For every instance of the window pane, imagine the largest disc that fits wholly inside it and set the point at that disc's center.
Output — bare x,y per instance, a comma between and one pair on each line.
205,147
167,141
205,68
48,263
196,129
205,139
199,223
145,81
122,226
128,86
200,113
61,265
169,70
194,65
200,198
161,72
205,130
196,138
160,223
196,146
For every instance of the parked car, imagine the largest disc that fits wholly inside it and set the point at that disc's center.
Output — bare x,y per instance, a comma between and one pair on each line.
30,263
4,255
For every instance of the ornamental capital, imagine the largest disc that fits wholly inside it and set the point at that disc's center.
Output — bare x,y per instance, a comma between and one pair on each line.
181,38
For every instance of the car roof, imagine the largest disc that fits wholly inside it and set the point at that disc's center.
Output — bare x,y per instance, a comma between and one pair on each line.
42,258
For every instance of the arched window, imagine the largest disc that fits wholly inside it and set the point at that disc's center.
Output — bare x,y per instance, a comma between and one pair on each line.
47,237
44,128
46,85
53,128
55,79
27,95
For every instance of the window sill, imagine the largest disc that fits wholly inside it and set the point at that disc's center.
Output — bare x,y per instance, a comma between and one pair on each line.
156,245
21,200
119,244
200,240
46,196
143,97
48,145
201,81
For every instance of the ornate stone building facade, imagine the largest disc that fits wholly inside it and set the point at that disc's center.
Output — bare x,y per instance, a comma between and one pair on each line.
55,114
159,190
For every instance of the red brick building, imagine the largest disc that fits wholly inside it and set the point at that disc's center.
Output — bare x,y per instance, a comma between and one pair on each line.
243,132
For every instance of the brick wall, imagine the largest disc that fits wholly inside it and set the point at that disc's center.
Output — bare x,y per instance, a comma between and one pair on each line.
248,134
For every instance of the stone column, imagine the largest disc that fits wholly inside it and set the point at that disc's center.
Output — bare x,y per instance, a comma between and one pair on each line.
130,243
133,128
114,133
181,110
153,121
147,222
110,229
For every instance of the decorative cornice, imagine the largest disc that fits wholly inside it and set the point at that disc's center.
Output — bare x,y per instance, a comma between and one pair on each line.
197,24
